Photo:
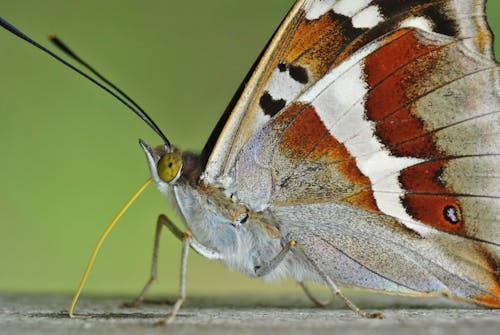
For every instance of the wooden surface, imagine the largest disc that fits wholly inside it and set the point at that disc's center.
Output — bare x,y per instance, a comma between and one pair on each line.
23,314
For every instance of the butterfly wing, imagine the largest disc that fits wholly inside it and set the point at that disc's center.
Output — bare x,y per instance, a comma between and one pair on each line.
316,36
386,168
419,131
356,247
399,175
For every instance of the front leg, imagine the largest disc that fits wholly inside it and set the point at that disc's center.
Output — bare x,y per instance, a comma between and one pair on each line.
154,265
164,221
267,268
194,244
186,239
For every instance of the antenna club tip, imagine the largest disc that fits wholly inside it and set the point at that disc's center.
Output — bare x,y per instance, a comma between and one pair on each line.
52,36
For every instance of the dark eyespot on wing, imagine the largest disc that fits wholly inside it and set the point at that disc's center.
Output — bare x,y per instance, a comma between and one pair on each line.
299,74
270,106
451,214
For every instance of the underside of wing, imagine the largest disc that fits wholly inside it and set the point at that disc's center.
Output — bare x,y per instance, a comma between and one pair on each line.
373,127
356,247
317,36
407,128
414,137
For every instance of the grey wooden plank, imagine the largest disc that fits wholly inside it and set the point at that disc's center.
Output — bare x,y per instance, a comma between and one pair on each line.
27,314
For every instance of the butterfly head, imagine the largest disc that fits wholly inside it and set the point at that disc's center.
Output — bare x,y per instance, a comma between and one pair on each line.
165,163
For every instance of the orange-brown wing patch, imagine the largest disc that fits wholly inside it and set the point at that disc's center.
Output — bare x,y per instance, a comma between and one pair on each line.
398,75
401,77
487,299
303,134
391,79
428,200
393,73
318,43
306,143
491,298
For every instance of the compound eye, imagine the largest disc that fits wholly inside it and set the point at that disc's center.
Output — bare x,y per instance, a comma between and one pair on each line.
169,166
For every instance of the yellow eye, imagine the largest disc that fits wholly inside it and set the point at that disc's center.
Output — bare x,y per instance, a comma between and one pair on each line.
169,166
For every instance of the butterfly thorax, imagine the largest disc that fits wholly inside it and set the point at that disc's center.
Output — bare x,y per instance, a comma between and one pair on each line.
244,238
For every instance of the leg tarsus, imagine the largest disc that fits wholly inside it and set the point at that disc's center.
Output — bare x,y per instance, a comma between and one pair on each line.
314,300
335,290
139,300
182,288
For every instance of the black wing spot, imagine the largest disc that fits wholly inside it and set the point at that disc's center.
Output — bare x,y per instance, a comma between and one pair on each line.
438,177
282,67
299,74
442,24
451,214
270,106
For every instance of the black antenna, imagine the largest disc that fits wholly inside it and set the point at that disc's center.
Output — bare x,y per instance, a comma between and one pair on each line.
70,53
138,110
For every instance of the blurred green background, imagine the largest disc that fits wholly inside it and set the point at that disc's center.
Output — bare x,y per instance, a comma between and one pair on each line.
69,152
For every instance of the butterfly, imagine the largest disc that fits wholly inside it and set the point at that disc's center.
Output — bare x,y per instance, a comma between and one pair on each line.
362,149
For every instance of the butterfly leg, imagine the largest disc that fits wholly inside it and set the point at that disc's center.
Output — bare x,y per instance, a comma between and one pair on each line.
154,264
335,290
186,240
164,221
311,297
266,268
